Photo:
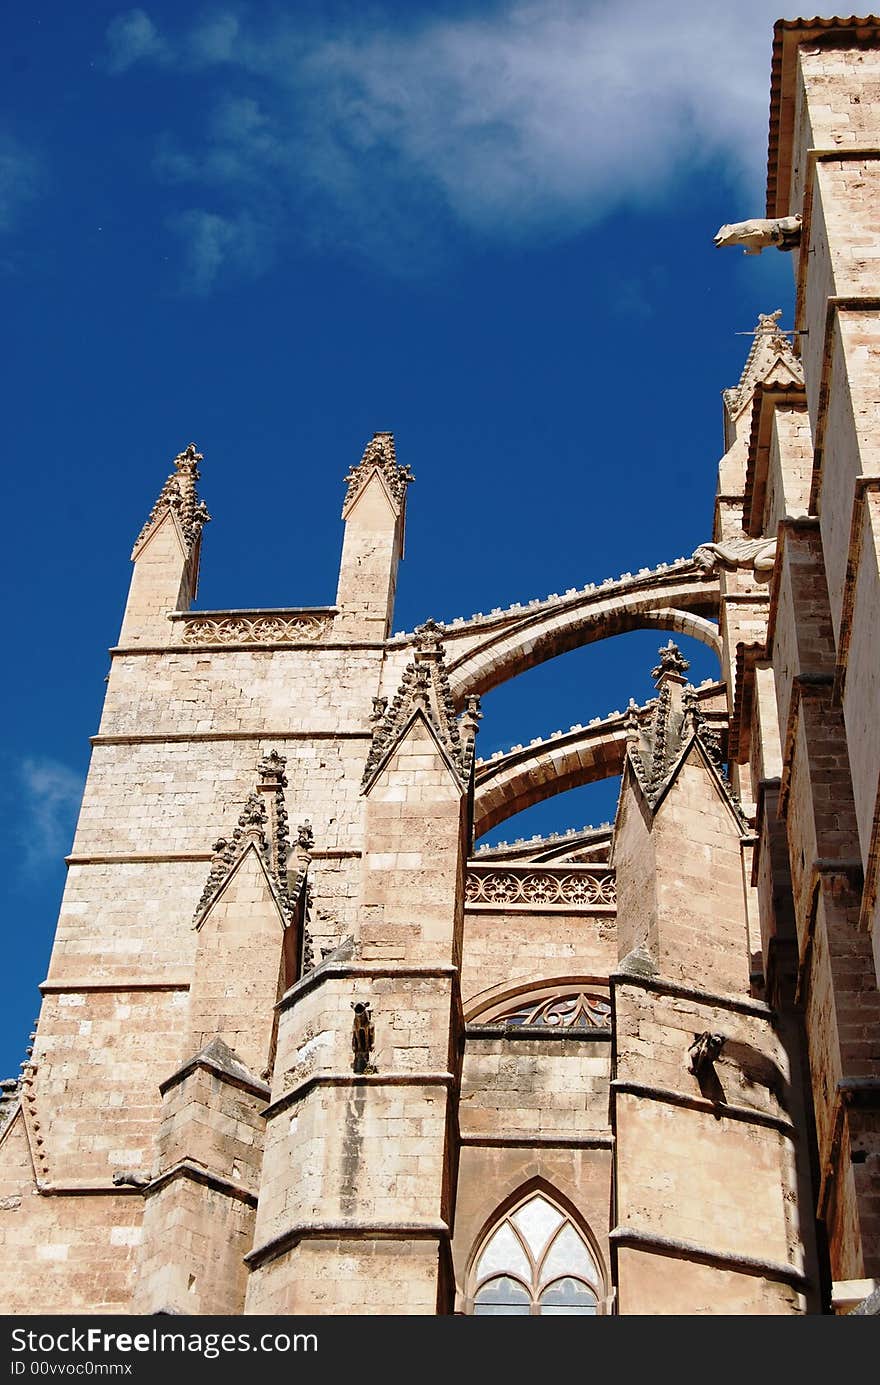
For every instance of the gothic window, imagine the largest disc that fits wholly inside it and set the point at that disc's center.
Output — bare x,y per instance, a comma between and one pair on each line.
572,1011
567,1008
533,1262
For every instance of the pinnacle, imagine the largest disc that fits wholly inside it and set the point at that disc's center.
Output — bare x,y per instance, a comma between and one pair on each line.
179,496
379,454
770,350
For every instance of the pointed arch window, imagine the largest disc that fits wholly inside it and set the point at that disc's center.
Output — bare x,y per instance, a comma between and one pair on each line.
535,1262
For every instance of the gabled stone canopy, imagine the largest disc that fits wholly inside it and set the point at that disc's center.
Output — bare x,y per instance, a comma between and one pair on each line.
179,497
657,746
262,824
379,456
771,360
424,690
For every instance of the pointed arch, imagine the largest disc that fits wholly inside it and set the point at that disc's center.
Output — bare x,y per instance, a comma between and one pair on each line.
535,1256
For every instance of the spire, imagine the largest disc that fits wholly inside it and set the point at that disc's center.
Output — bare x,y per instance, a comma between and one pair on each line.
263,824
424,688
771,360
179,496
379,455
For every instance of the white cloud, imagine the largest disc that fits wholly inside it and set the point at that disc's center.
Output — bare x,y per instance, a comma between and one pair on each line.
527,119
51,797
133,37
20,179
213,242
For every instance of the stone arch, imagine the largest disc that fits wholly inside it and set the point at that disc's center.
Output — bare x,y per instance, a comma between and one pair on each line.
508,784
488,651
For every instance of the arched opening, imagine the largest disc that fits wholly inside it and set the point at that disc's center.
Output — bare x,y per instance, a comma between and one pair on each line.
577,705
562,1005
508,646
535,1260
587,805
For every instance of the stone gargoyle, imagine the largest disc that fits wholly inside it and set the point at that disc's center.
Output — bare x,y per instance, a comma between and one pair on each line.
784,232
759,554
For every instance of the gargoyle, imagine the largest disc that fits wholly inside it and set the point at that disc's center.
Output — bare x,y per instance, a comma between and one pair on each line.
363,1036
759,554
703,1051
784,232
131,1178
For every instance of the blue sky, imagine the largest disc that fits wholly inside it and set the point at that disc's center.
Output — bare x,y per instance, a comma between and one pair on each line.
274,230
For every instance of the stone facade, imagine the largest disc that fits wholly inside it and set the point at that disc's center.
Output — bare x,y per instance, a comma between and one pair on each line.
360,1065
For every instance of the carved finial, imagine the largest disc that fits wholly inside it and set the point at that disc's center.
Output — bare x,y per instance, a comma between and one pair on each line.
252,819
363,1036
305,837
180,497
379,454
271,771
769,322
631,721
771,359
379,705
472,711
428,636
672,664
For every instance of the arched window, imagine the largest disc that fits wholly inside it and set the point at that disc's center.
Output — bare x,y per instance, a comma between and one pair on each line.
555,1005
535,1261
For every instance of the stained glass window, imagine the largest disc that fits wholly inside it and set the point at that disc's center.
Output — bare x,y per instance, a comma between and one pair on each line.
535,1262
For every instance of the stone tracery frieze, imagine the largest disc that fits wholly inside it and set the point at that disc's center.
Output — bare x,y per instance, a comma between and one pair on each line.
259,628
579,889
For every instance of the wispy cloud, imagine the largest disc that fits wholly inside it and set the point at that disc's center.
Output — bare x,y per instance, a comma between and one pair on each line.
21,177
517,121
133,37
51,796
213,243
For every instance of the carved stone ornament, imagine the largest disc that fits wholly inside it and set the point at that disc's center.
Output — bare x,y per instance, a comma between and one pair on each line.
263,628
581,889
671,661
180,497
263,823
131,1178
363,1036
759,554
378,454
569,1010
784,232
656,745
424,686
704,1050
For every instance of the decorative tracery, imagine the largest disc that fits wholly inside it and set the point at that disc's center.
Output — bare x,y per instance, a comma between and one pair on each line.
559,1006
535,1262
573,1011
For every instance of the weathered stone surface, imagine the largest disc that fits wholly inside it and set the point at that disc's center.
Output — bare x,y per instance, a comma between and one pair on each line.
675,1025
